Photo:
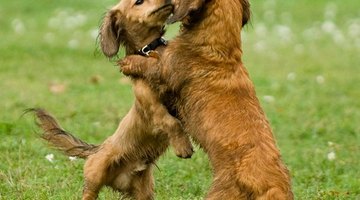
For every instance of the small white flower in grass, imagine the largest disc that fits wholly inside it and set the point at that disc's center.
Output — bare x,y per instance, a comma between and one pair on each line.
312,33
65,20
50,157
354,29
269,99
74,21
284,32
18,26
291,76
260,46
320,79
357,43
72,158
331,144
73,43
261,30
328,26
54,22
96,124
331,156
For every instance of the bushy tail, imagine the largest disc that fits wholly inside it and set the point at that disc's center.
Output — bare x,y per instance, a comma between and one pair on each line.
59,138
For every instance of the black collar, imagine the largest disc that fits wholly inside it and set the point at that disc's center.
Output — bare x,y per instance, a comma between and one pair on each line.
152,46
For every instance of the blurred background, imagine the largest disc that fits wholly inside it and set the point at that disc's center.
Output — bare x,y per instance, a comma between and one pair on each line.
303,57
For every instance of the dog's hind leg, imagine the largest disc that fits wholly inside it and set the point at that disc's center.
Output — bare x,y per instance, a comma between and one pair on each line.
276,194
90,191
96,171
225,190
142,186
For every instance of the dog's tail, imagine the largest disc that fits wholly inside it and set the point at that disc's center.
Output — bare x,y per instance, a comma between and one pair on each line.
59,138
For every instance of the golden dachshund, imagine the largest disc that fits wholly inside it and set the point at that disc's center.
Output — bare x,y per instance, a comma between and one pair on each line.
215,99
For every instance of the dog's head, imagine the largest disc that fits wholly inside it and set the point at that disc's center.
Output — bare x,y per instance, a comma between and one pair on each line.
184,8
130,22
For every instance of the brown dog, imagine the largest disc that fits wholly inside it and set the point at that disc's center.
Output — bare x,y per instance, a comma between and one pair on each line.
216,101
126,159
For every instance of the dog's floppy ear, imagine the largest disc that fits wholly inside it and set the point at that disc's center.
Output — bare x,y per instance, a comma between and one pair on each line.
184,8
110,33
246,13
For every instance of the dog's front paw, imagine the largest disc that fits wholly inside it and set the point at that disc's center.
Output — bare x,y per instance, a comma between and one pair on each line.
183,148
127,66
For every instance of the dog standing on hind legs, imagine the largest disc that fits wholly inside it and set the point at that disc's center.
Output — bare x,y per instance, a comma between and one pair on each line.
216,100
125,160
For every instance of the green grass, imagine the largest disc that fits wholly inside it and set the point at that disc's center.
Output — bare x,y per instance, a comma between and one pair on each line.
301,55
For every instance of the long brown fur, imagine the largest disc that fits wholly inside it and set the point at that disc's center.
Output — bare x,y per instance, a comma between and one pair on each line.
125,160
61,139
216,100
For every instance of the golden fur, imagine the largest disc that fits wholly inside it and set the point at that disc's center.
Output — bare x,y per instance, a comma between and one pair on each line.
216,100
125,160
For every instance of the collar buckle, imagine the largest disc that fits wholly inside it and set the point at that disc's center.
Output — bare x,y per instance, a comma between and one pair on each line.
145,51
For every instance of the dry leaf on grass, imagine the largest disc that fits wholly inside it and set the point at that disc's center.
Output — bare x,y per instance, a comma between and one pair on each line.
57,88
96,79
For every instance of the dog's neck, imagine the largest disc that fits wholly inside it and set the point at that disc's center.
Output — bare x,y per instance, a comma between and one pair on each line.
138,39
217,34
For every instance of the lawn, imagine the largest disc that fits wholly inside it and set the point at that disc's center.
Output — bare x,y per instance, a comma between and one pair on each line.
303,57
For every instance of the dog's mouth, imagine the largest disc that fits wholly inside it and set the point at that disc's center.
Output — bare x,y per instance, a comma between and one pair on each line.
163,10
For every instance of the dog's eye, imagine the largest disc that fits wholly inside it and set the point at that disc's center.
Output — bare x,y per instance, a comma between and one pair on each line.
139,2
